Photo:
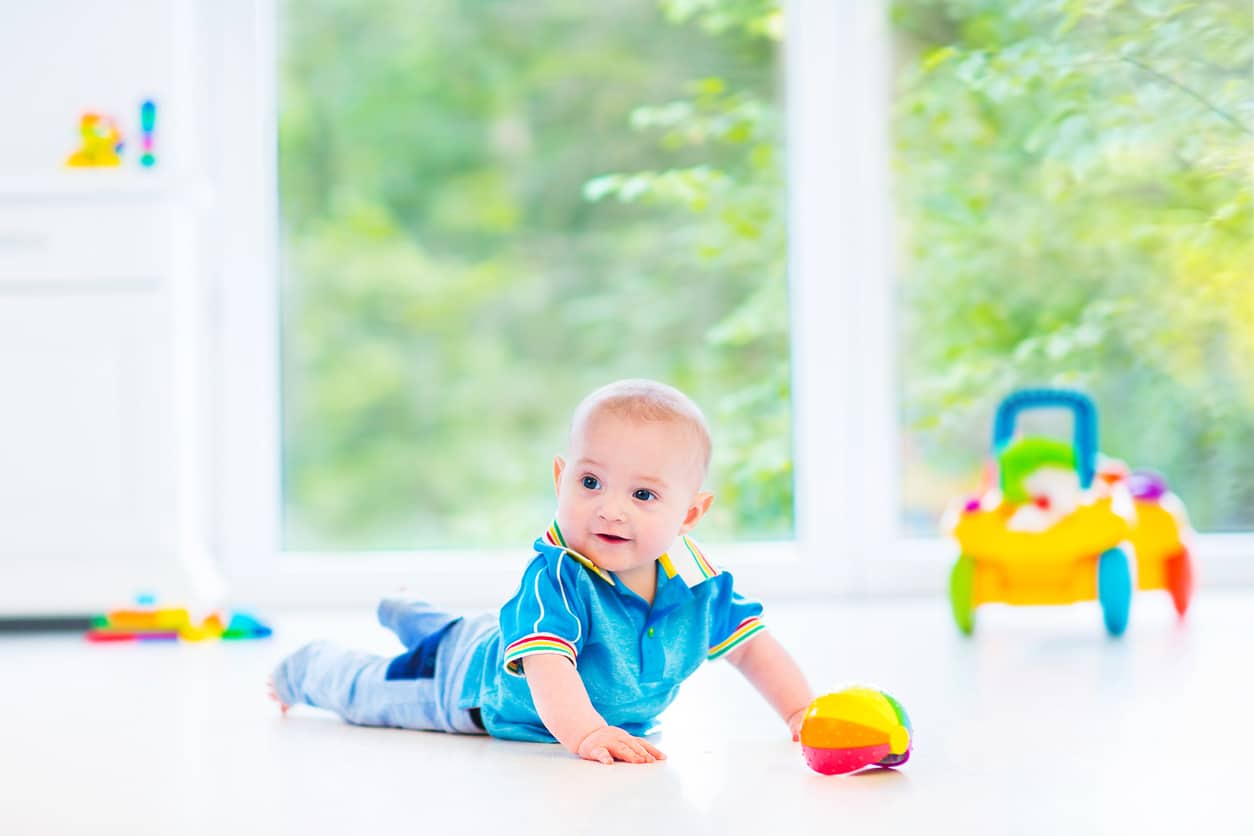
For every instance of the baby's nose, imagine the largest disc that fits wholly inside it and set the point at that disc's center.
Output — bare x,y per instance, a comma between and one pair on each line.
611,510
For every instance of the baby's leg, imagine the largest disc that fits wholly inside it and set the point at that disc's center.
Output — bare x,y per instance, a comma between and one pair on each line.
355,686
412,621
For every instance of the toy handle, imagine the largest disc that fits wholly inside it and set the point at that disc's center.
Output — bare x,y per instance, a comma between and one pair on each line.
1081,407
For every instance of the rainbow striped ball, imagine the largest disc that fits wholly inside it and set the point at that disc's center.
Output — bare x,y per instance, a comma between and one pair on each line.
855,727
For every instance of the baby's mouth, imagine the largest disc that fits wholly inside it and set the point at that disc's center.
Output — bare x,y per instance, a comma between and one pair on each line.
611,538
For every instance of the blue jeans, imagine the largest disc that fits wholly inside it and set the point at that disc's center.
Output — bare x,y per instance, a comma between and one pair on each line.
419,689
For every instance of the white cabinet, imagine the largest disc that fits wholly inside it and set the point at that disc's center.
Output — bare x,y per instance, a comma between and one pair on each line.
96,450
105,301
92,244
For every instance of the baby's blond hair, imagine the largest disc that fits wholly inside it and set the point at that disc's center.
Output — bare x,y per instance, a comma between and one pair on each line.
639,399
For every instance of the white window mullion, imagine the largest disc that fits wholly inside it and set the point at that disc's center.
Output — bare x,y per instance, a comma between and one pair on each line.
841,288
817,289
249,432
866,45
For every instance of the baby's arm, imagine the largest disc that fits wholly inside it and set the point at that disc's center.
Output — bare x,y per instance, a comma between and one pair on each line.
562,702
770,668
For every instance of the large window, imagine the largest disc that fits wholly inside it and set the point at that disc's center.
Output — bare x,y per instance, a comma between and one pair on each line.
488,209
1073,184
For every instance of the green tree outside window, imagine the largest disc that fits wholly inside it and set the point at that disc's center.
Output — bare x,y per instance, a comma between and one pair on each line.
1074,184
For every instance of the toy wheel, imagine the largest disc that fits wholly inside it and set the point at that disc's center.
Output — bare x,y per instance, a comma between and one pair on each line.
1114,589
962,593
1179,571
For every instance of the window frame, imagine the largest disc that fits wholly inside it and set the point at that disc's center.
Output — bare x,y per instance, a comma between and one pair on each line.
846,415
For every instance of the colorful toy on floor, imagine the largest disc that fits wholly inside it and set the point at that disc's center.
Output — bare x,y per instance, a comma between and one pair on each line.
1064,524
150,623
147,128
102,143
854,728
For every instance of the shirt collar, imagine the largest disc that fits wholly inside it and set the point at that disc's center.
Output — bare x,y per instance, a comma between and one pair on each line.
553,537
684,559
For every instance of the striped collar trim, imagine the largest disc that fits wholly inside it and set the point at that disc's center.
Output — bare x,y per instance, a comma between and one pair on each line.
684,559
554,538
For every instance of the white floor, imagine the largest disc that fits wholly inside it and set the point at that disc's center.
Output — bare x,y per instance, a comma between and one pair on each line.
1037,725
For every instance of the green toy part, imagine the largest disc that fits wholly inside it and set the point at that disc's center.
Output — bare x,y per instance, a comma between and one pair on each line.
1027,455
962,593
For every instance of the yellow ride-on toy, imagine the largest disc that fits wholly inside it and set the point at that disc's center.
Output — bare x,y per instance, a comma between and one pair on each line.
1062,526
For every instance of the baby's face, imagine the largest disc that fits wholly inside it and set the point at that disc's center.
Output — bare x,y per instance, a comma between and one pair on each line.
629,489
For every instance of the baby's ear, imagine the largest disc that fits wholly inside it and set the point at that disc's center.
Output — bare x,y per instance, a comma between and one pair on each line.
558,467
700,504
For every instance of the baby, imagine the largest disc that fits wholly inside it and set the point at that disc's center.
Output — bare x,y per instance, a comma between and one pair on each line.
617,608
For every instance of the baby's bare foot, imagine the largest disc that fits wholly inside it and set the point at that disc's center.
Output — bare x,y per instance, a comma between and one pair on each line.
274,695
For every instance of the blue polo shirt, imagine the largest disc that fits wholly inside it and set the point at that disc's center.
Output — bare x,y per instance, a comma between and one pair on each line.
631,656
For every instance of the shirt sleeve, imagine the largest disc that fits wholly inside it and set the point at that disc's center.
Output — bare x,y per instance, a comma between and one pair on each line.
735,620
545,616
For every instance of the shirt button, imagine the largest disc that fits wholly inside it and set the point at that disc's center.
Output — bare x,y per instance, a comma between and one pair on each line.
650,633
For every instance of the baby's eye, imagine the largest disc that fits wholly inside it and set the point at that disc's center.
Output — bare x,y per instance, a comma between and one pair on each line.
644,495
591,483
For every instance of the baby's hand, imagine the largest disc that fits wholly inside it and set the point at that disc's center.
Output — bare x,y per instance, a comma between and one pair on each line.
794,723
610,743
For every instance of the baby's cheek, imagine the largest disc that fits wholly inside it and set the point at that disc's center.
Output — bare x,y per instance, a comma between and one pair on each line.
659,542
567,511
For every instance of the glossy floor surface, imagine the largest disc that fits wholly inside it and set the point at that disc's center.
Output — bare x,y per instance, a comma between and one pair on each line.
1039,724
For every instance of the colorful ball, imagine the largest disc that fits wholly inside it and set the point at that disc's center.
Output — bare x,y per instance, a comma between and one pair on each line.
853,728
